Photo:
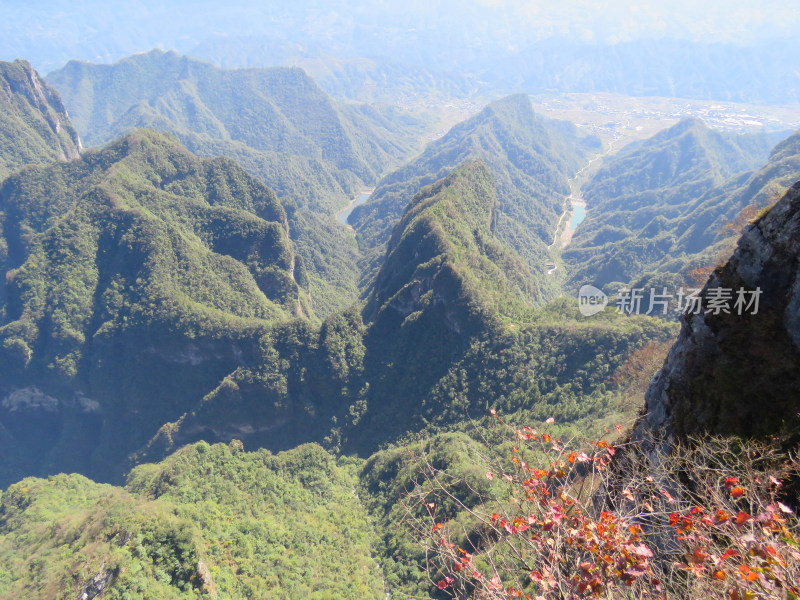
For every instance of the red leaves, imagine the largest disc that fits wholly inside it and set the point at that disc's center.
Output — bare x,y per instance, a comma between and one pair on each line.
543,519
729,553
747,573
642,551
445,583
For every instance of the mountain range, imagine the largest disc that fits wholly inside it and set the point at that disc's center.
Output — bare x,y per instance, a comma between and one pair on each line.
256,390
531,160
277,123
663,206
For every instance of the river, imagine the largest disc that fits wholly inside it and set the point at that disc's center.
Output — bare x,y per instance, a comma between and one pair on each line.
578,215
344,215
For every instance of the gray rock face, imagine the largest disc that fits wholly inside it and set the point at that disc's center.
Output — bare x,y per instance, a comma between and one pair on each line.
731,373
33,120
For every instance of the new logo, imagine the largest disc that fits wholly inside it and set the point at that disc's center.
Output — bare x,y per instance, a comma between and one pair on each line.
591,300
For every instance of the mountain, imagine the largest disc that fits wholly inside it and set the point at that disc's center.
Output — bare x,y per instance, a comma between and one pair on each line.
34,125
658,206
736,372
451,327
317,154
530,160
135,279
210,522
272,110
443,259
343,75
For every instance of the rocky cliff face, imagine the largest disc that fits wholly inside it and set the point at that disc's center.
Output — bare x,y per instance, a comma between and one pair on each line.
731,373
34,125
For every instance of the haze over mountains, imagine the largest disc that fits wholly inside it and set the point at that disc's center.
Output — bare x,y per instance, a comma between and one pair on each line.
212,387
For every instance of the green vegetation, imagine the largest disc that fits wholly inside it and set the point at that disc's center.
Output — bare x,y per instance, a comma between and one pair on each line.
662,207
530,160
277,123
126,271
452,329
209,522
444,252
34,126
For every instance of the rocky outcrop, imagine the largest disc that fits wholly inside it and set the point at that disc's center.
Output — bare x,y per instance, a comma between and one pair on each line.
99,583
34,124
738,374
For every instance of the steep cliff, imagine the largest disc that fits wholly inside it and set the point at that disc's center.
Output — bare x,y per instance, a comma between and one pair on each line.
34,125
736,373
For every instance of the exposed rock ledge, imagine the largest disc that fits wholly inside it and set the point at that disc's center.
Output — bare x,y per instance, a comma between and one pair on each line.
732,374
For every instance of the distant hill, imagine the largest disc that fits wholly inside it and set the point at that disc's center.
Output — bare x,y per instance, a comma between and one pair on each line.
277,123
530,159
126,271
655,205
270,110
34,125
345,76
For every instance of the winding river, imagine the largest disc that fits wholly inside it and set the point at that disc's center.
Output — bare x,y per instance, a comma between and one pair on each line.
344,215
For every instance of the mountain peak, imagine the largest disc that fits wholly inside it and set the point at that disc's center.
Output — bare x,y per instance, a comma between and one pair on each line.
443,258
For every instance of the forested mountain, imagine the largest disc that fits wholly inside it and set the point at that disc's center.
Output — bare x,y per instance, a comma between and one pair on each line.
209,522
451,309
655,206
277,123
443,256
127,271
270,110
34,125
530,160
258,391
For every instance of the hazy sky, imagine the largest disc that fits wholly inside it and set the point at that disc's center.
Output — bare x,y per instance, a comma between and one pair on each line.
49,32
616,20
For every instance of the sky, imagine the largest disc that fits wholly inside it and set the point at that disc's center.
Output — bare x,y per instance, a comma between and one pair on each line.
50,32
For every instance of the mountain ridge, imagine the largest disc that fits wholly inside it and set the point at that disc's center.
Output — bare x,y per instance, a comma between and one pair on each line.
34,125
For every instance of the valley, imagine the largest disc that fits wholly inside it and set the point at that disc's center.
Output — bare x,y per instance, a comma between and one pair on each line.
301,312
